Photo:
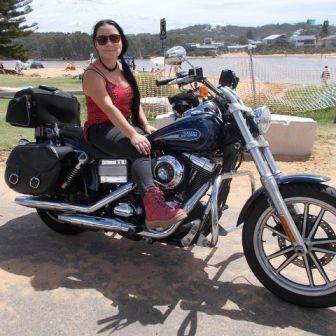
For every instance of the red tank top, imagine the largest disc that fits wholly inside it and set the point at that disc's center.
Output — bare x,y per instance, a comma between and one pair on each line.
122,98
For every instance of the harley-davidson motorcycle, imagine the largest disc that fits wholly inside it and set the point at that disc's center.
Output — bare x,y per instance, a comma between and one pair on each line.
289,223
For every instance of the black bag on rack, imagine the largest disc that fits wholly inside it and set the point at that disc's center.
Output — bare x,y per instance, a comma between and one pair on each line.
33,107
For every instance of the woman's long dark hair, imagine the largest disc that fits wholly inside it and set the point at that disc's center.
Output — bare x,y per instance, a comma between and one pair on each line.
127,71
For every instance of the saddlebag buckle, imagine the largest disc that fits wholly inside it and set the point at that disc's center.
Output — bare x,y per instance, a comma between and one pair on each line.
13,178
34,182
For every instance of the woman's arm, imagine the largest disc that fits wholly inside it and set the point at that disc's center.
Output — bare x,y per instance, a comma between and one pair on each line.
144,122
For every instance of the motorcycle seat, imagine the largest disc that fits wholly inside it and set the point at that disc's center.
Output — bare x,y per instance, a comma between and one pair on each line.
76,134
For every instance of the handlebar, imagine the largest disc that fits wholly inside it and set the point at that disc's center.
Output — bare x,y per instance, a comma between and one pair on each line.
183,80
160,82
175,81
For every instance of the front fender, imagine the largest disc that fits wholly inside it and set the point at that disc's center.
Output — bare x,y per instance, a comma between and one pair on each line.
299,178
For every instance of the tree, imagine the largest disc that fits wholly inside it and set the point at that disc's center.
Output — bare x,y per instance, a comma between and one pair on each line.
325,29
12,26
250,35
242,40
308,32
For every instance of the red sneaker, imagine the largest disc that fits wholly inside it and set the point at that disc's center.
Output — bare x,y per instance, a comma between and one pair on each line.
158,213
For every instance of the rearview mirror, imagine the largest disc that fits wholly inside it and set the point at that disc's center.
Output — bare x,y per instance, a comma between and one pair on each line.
175,55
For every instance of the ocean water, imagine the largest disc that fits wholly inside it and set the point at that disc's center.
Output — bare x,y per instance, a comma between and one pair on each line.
273,69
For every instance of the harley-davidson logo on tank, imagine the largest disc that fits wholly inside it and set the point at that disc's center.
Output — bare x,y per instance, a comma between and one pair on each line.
184,135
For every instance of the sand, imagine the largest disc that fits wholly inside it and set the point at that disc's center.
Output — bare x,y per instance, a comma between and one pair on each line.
57,72
52,72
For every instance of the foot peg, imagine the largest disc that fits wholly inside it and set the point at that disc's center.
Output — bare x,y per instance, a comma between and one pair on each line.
189,237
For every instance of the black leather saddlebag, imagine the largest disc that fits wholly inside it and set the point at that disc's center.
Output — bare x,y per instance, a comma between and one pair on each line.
34,169
43,105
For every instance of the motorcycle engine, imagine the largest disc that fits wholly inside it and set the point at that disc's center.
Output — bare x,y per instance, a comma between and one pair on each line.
168,171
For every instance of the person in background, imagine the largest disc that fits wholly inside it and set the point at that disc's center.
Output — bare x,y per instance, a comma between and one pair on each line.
18,66
91,58
325,76
133,65
70,66
117,124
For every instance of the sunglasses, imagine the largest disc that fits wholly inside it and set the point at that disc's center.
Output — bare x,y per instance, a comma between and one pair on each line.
103,39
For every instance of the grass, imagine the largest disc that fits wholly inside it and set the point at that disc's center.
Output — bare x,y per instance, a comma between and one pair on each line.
64,82
306,98
146,83
327,115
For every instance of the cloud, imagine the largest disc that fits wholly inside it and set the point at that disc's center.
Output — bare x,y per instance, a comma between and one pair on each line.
75,23
226,4
145,17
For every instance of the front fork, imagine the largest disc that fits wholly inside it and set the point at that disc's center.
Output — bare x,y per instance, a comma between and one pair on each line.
269,172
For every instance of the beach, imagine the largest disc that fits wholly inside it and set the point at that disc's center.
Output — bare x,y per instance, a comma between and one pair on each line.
302,69
52,72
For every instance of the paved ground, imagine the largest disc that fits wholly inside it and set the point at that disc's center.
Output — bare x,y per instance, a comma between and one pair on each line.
94,284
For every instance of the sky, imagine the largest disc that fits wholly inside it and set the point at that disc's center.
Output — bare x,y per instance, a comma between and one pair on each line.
143,16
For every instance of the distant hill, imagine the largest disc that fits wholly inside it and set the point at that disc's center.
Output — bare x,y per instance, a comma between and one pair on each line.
78,45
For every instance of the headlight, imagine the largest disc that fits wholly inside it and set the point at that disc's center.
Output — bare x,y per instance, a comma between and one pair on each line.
262,118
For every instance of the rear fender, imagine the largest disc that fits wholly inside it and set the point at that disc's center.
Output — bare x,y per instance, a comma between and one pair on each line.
300,178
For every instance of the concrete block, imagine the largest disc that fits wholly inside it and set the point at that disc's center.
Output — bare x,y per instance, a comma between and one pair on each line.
291,136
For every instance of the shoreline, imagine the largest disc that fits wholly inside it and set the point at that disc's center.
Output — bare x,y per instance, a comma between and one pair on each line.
56,70
245,55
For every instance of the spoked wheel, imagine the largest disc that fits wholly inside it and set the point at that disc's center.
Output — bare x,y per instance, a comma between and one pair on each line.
308,280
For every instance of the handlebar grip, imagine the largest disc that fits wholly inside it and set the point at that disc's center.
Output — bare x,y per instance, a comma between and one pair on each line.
160,82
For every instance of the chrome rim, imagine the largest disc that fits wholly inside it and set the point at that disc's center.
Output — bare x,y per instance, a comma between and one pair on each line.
312,274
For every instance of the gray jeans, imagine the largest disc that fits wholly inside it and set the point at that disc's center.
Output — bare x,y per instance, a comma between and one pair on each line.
110,140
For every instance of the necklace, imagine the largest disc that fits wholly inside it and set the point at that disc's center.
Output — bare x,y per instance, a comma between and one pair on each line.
107,68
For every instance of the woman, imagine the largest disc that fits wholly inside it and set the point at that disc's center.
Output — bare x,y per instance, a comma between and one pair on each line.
116,122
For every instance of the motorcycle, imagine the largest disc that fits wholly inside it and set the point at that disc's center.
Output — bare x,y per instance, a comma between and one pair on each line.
288,224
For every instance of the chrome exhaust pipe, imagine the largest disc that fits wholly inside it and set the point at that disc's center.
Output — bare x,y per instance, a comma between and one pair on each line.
107,224
42,203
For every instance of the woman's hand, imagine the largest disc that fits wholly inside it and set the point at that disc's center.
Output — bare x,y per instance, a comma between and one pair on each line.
141,143
149,129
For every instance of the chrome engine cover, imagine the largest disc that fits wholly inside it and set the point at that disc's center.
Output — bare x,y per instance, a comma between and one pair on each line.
168,171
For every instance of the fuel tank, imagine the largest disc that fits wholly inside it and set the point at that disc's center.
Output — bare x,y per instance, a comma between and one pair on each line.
197,133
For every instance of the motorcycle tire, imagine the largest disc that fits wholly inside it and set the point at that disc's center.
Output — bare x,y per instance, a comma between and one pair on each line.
49,219
307,280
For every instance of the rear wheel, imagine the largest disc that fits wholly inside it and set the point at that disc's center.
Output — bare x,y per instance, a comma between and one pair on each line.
308,280
49,218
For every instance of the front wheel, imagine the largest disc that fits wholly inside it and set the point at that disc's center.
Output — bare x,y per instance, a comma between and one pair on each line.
308,280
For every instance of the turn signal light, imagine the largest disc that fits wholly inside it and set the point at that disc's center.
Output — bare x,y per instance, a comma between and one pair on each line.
203,91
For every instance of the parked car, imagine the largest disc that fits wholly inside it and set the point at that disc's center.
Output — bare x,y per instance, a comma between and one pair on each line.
36,65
